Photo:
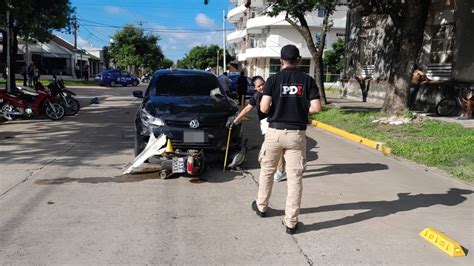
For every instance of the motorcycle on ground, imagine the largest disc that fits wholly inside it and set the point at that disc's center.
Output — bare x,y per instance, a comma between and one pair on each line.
25,103
65,96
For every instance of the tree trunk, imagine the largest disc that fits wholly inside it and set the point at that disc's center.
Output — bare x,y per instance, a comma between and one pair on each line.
413,25
3,55
319,61
317,56
13,56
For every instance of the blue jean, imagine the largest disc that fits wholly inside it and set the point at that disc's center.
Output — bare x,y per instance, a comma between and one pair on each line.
413,91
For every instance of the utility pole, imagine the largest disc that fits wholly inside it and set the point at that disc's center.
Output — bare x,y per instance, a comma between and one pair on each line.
75,48
217,65
75,32
224,40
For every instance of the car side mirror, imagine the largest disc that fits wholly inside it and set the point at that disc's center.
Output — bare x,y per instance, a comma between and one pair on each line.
138,94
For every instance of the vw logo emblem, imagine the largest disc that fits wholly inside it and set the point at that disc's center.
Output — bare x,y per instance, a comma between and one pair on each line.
194,123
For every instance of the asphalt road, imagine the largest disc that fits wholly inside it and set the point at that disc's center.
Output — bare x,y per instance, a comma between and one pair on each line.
63,200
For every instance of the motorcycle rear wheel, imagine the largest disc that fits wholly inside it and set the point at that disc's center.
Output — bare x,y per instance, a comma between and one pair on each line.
54,111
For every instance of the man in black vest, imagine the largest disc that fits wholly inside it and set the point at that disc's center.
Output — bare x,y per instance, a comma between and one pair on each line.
288,97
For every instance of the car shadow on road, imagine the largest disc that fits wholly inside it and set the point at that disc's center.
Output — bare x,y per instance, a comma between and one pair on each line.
212,175
129,178
374,209
343,168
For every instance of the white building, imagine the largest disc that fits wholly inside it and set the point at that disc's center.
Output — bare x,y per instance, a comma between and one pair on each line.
258,38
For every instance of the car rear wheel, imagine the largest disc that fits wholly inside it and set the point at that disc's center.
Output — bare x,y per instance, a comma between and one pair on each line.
112,83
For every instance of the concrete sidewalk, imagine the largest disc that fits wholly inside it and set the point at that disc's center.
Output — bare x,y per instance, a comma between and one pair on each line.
361,207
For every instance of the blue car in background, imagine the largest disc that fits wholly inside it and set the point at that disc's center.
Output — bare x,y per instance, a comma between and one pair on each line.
233,76
115,77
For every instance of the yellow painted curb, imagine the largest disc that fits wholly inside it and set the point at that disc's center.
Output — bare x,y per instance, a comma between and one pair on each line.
441,241
353,137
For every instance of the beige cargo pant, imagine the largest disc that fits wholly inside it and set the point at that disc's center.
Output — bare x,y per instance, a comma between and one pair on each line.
292,144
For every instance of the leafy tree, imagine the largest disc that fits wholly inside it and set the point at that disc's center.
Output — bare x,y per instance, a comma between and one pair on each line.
295,11
131,47
201,57
409,18
33,19
335,58
167,63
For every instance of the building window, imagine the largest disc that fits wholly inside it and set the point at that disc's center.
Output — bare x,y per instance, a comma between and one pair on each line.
320,13
274,66
442,43
256,41
304,65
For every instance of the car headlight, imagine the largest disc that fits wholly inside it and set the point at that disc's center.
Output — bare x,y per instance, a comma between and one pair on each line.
149,120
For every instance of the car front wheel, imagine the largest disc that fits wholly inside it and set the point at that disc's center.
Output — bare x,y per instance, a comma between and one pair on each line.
135,83
112,83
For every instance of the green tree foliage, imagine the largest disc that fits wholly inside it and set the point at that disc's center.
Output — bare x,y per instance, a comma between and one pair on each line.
33,19
37,19
131,47
334,58
167,63
201,57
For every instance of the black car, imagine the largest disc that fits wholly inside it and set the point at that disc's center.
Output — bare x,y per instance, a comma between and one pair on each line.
190,108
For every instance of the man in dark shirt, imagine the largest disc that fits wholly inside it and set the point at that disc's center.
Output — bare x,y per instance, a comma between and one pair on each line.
242,87
259,83
288,97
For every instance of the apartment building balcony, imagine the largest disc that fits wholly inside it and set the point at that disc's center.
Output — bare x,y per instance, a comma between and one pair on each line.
236,13
236,36
313,20
272,52
241,57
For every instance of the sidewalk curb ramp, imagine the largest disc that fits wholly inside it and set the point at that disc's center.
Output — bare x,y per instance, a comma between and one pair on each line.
379,146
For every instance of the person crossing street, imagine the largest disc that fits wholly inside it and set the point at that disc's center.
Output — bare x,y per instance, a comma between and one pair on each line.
288,97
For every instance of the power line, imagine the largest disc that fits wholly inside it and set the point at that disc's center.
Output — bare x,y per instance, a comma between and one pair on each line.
167,30
151,6
93,35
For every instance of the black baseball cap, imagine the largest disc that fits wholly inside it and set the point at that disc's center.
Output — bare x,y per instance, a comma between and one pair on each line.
290,52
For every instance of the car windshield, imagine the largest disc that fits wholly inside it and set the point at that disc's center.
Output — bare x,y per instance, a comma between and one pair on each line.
187,85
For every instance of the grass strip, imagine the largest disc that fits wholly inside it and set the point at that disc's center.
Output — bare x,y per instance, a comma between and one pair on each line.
447,146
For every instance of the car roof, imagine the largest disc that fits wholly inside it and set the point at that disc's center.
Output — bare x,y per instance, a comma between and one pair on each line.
163,72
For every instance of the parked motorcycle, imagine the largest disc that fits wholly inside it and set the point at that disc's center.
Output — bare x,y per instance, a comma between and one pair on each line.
65,96
22,102
145,78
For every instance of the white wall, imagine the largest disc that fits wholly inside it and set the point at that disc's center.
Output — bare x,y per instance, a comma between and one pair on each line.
282,37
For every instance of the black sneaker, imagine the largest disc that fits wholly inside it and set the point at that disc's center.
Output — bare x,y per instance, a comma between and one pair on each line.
289,230
257,211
